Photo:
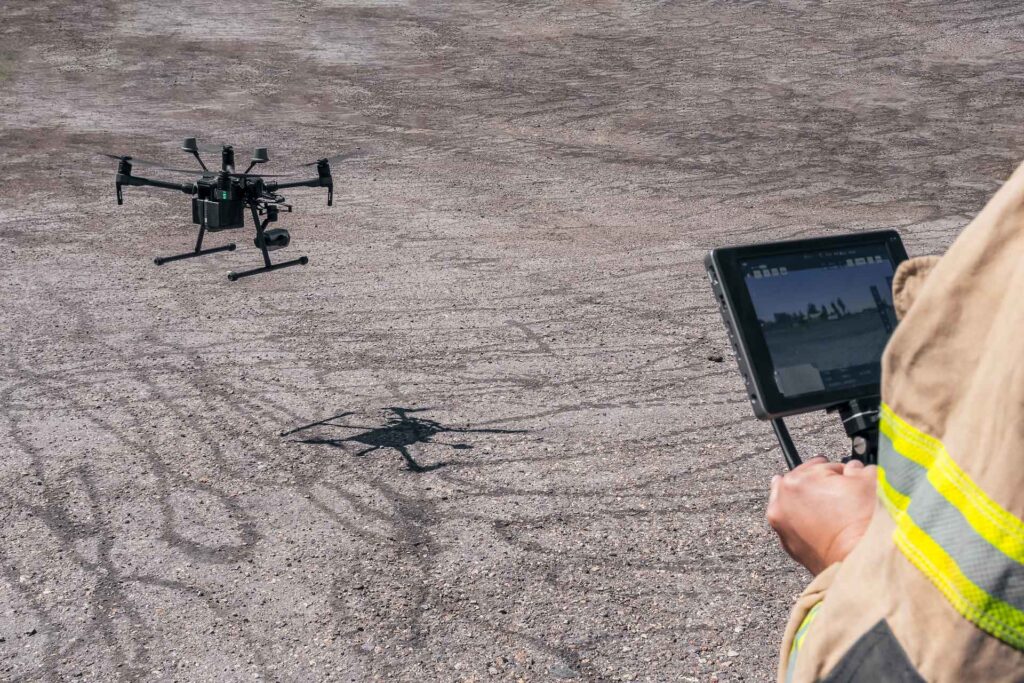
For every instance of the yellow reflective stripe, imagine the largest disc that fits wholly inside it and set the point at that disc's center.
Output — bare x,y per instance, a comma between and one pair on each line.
998,526
911,443
805,625
944,523
894,501
991,614
798,640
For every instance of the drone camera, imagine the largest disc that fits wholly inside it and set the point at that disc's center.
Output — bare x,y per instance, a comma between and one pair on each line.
278,238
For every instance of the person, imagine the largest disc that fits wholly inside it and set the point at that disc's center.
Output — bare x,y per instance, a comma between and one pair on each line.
918,563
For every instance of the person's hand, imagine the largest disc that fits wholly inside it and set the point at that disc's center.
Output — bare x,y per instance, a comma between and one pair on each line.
821,509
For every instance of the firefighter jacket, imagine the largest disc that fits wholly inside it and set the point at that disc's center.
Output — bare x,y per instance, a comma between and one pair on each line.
934,591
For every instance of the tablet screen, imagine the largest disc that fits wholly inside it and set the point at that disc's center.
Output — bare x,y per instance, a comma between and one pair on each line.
826,315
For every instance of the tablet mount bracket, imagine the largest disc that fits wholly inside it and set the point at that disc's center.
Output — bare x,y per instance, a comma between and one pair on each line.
860,420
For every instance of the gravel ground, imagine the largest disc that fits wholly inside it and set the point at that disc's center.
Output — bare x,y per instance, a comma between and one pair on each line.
488,432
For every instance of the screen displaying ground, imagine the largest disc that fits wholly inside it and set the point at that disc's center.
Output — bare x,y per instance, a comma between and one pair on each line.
826,316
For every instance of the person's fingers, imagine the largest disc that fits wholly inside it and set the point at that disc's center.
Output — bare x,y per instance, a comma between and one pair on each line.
868,472
826,469
808,464
773,492
852,466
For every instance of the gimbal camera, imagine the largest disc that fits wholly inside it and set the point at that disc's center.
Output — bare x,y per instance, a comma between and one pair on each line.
220,198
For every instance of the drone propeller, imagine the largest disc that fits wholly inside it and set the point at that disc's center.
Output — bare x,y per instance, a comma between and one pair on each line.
260,175
214,147
211,174
191,171
342,156
217,147
135,161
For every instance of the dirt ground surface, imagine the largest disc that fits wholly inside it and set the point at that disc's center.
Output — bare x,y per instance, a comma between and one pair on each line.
488,433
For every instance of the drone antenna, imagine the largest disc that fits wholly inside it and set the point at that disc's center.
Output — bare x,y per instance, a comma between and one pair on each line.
190,146
227,159
259,156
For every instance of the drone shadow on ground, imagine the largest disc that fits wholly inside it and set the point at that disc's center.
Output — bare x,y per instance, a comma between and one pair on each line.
399,432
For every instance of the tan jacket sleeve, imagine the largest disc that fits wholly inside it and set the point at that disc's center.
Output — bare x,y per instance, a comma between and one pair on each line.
908,281
800,619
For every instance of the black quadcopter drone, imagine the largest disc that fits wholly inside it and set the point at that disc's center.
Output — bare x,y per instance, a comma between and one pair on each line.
219,200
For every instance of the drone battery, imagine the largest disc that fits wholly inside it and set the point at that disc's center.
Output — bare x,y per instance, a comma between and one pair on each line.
278,238
218,214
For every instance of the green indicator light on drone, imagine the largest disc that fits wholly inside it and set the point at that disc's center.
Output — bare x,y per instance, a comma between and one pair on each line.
223,194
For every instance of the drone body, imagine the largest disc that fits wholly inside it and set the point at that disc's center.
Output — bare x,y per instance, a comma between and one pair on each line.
220,199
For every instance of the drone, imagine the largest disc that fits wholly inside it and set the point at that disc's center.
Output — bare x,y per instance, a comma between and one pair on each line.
220,199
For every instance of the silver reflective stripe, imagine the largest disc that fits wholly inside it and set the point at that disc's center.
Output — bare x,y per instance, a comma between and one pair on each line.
798,640
968,546
986,566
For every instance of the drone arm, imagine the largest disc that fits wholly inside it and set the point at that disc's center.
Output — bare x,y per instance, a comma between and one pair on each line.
187,188
312,182
139,181
323,179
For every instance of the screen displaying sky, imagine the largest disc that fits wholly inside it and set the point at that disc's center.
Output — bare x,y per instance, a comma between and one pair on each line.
794,291
822,324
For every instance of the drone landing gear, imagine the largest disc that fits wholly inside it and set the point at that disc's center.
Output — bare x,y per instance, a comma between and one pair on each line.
860,420
198,251
301,261
274,239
